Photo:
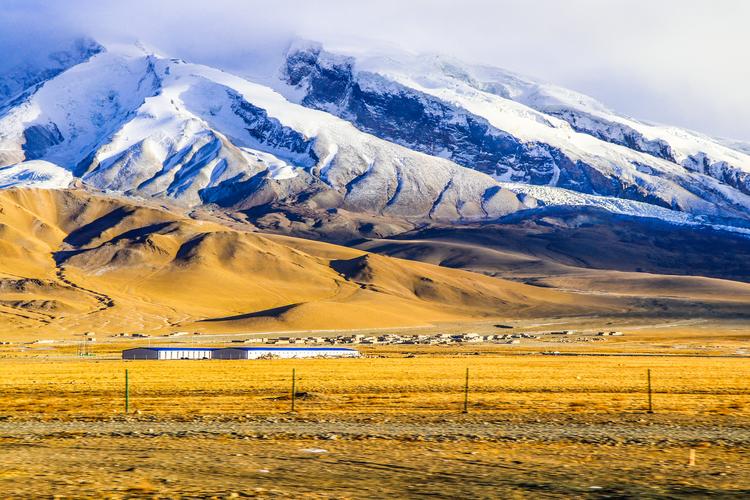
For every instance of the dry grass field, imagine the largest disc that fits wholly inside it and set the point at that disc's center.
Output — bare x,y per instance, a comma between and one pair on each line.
429,384
226,466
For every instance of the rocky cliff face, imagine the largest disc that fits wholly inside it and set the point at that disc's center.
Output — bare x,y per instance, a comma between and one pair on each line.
419,121
615,133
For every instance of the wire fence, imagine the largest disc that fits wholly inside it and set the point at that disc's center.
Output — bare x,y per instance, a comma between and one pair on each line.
371,386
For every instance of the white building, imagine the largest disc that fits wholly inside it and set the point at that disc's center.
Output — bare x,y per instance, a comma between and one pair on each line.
168,353
284,352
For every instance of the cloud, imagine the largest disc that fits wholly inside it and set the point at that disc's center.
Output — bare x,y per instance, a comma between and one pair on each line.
673,61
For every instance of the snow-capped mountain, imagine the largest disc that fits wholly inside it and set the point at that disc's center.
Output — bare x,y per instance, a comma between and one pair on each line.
521,131
132,121
412,137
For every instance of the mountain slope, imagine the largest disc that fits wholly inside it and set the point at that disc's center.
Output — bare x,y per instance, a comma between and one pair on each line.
145,125
20,72
35,173
550,241
71,262
520,131
410,140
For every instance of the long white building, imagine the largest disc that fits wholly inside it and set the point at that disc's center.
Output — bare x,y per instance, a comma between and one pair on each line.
237,352
284,352
168,353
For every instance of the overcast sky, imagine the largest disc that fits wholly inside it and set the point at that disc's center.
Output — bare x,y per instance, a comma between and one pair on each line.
681,62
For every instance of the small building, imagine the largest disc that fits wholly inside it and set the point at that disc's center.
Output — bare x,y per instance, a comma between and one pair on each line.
168,353
284,352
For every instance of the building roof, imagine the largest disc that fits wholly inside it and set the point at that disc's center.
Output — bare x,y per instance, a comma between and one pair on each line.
243,348
290,349
174,348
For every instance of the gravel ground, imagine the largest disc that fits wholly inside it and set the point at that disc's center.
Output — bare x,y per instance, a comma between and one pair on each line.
302,456
637,429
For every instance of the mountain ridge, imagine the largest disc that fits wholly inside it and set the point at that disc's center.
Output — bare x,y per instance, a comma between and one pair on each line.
167,147
497,127
330,134
124,171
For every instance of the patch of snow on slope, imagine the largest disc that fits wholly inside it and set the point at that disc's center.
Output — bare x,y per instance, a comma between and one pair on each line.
554,196
79,107
20,70
277,169
565,197
37,174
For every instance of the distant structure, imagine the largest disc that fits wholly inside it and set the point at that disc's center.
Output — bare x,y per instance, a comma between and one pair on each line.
284,352
168,353
238,352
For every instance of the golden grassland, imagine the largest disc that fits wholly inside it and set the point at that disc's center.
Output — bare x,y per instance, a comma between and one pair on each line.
537,425
429,384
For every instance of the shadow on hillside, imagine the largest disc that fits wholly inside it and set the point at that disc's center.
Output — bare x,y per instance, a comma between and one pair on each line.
266,313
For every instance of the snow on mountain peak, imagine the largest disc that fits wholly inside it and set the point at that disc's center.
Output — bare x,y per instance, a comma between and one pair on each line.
135,122
21,72
381,132
517,130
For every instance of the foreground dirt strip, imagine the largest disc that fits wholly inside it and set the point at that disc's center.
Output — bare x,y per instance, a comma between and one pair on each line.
592,429
375,457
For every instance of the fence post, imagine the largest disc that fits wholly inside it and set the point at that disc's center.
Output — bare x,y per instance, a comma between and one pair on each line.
127,392
294,389
650,405
466,393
